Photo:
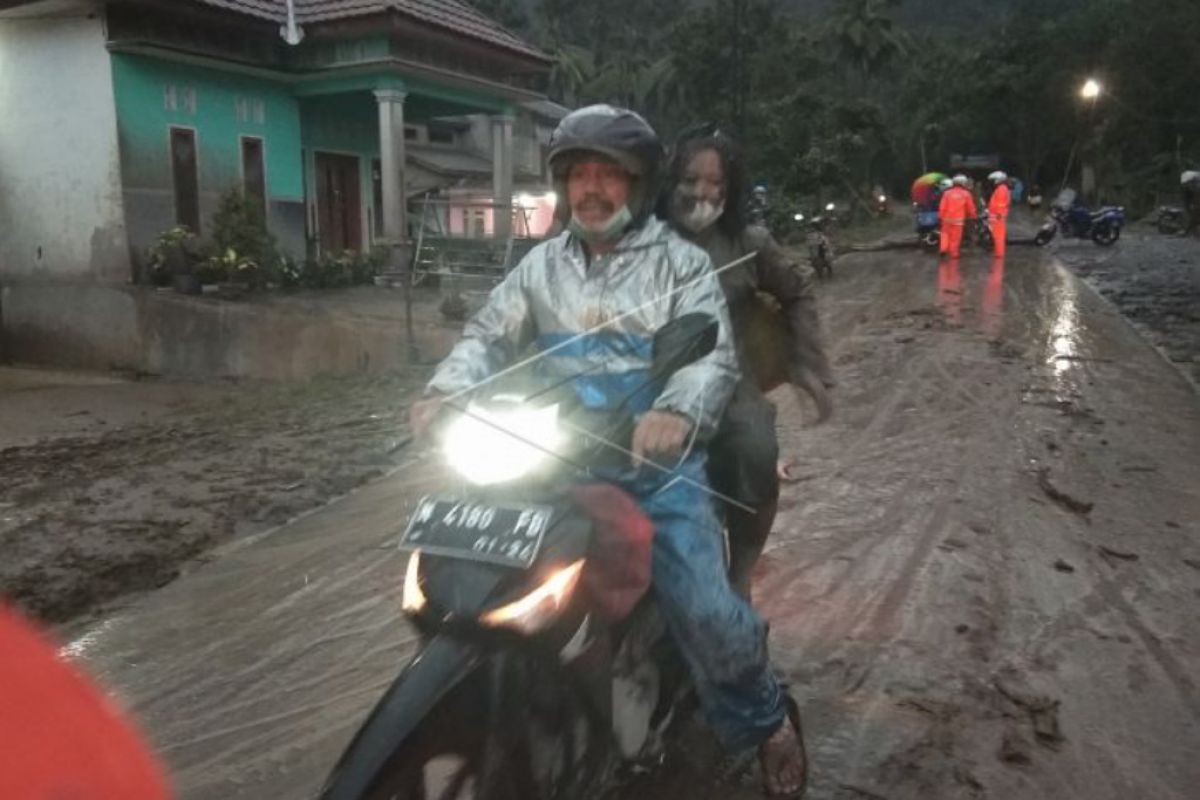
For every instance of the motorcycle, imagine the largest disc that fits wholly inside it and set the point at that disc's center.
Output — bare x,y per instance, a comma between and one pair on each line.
544,665
1170,220
1103,226
983,237
928,228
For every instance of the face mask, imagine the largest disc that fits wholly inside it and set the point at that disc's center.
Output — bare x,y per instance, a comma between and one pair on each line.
610,231
702,215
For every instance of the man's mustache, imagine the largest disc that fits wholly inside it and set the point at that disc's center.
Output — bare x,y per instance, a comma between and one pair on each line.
594,202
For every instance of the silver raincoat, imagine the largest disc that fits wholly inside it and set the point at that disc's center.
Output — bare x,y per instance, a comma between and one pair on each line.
618,301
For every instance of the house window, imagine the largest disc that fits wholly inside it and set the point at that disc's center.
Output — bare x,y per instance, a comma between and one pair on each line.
411,134
441,136
185,174
254,176
478,223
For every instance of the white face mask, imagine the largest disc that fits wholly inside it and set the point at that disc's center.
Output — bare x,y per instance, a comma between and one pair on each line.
702,215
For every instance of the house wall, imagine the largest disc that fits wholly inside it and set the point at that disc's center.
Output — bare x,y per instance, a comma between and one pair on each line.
153,95
61,214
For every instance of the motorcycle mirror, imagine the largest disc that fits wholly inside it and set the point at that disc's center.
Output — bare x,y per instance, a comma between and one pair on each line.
682,341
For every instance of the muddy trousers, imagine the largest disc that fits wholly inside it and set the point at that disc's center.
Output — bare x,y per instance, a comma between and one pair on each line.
952,235
722,639
743,459
999,227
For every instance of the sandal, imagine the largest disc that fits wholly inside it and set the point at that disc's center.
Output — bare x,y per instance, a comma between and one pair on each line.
788,746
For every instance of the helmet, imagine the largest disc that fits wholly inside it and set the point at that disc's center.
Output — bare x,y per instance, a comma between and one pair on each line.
618,133
1190,176
945,183
961,180
760,189
999,176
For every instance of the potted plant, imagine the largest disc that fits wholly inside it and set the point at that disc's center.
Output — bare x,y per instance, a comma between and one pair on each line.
172,259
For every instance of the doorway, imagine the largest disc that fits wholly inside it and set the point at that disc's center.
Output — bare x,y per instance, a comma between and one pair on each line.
339,203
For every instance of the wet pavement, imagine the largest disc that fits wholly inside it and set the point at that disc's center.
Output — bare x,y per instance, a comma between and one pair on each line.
983,583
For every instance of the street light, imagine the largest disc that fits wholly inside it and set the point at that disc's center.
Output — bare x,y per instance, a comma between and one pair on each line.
1090,90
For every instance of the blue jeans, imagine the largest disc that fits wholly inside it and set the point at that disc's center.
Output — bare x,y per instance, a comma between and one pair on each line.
722,638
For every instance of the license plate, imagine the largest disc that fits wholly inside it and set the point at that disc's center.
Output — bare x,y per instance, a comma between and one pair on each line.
510,535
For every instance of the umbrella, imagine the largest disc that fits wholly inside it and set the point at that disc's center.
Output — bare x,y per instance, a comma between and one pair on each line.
924,188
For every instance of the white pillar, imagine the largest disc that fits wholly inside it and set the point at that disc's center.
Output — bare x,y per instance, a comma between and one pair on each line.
391,163
502,174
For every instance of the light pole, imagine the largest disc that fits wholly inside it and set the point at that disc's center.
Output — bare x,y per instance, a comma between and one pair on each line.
1090,91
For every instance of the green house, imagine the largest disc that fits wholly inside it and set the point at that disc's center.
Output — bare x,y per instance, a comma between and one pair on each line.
121,119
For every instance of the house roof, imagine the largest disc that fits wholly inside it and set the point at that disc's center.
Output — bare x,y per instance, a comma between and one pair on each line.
546,109
449,162
454,163
451,15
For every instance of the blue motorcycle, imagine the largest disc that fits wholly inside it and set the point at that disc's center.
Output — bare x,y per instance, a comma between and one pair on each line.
1102,226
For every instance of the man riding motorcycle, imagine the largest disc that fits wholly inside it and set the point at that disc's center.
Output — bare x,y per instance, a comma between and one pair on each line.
590,300
703,201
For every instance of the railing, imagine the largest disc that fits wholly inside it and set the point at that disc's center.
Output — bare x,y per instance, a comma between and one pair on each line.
458,239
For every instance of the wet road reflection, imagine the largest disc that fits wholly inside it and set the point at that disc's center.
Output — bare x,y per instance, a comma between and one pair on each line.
992,307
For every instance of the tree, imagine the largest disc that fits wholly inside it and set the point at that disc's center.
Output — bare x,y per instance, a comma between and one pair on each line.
864,37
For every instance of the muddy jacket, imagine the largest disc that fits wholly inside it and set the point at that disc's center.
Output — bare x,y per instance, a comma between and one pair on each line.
554,295
774,272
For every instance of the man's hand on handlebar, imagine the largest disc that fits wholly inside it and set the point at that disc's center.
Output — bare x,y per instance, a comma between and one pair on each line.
660,434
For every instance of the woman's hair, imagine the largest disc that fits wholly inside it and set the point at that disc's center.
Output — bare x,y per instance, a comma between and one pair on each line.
696,139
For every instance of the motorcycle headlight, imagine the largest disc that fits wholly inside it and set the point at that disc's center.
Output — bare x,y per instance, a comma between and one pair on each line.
496,445
539,608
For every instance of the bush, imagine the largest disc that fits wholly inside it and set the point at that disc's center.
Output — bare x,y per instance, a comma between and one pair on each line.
246,250
336,271
176,251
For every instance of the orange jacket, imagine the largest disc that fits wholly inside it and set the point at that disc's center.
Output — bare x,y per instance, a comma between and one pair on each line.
1000,201
957,206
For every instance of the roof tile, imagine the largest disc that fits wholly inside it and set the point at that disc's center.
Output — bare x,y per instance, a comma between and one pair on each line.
452,15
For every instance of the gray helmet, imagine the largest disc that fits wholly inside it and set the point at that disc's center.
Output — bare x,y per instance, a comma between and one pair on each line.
617,133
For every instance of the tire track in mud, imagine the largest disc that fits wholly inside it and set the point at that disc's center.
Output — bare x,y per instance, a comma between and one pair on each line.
956,366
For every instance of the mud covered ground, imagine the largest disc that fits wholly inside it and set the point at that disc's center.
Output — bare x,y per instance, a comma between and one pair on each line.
982,585
1155,282
109,486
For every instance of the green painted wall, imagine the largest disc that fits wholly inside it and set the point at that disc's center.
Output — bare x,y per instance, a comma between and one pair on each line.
152,95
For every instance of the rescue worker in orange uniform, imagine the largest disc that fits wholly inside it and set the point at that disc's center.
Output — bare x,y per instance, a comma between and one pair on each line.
998,205
956,207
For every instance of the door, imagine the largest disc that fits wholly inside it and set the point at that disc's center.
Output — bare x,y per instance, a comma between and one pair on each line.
184,173
339,203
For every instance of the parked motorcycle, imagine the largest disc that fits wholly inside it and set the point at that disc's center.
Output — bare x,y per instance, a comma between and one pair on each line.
1170,220
1074,219
544,664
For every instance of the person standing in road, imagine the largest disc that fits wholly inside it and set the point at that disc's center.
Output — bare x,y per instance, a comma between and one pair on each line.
998,207
956,207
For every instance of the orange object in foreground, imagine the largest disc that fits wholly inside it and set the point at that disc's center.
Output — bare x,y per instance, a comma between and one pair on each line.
62,737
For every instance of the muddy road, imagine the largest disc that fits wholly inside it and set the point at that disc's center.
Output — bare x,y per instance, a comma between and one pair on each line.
983,584
111,486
